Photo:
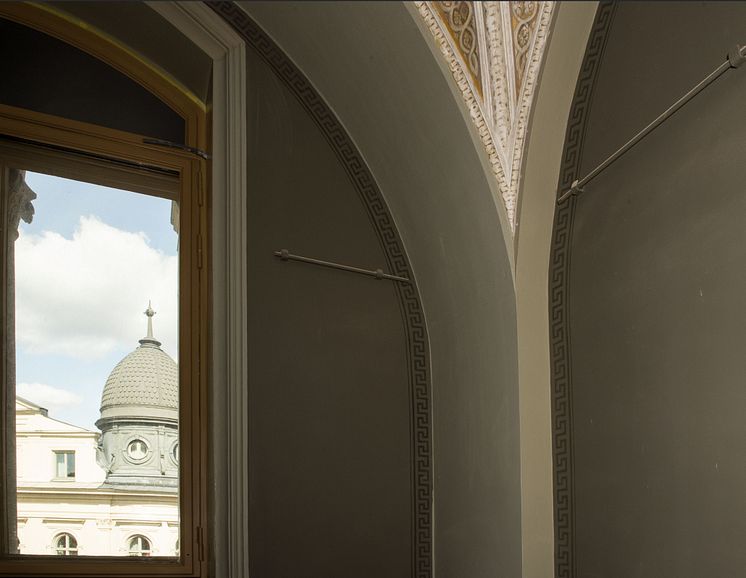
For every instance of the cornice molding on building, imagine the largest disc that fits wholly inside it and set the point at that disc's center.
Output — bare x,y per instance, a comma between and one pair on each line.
75,493
501,110
58,434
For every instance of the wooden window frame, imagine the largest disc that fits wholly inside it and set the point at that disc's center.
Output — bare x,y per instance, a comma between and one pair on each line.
109,157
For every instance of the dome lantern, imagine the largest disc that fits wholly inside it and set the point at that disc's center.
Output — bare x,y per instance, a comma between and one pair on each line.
140,416
149,340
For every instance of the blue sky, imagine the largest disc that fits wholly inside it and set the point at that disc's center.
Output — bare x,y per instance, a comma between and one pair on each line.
61,202
85,269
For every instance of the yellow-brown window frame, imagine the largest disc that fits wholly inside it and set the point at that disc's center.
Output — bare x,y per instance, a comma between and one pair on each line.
82,151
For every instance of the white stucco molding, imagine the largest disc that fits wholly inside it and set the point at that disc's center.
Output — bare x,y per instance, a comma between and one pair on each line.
229,326
543,157
510,62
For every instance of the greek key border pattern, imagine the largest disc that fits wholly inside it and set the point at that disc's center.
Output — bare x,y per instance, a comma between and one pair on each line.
559,299
418,349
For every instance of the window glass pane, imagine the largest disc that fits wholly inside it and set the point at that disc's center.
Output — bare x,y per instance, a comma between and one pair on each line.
92,295
139,546
66,545
60,465
64,464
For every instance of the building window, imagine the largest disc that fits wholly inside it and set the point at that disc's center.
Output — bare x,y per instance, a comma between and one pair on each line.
137,450
139,546
64,463
175,452
66,545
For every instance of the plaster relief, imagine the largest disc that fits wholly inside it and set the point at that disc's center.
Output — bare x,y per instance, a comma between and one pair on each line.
496,75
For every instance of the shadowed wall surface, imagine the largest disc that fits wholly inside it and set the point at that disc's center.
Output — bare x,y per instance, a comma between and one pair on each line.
658,305
329,400
390,89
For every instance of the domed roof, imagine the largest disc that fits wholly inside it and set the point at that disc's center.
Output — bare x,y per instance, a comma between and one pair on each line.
144,384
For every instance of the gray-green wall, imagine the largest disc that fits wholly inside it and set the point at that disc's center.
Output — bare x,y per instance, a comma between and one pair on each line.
329,400
658,305
392,92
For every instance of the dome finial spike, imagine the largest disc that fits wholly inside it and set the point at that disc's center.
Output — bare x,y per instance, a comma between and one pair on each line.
149,312
149,340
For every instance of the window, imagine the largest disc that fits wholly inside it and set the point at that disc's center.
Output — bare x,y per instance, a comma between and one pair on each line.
139,546
66,545
64,462
129,201
102,294
77,235
137,450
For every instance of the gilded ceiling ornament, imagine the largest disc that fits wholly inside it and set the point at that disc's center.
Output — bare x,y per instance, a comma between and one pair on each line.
460,22
498,90
524,17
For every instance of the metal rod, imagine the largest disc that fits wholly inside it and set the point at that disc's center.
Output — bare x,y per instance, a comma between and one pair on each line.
735,59
285,255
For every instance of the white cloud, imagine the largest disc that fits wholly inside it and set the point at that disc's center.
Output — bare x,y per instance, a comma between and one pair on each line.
84,297
48,396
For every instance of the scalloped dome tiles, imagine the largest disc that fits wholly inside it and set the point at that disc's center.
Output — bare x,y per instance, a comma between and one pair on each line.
147,377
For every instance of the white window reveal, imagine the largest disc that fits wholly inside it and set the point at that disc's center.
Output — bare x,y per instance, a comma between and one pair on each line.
64,463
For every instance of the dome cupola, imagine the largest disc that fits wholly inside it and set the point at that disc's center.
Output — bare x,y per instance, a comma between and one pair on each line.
144,384
139,443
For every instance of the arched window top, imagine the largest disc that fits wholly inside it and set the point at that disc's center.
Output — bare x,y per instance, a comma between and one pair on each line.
139,546
86,89
66,545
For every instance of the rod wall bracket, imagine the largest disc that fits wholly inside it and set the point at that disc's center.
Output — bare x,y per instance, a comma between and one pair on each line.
574,190
736,56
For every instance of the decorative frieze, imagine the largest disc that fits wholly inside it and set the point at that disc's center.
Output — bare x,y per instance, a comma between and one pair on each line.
460,22
496,75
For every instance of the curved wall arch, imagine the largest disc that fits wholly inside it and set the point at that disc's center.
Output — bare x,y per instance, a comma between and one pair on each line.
347,414
373,63
647,290
563,58
405,145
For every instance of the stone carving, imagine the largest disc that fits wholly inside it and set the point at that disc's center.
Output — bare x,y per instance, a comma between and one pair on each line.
19,206
20,199
499,90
